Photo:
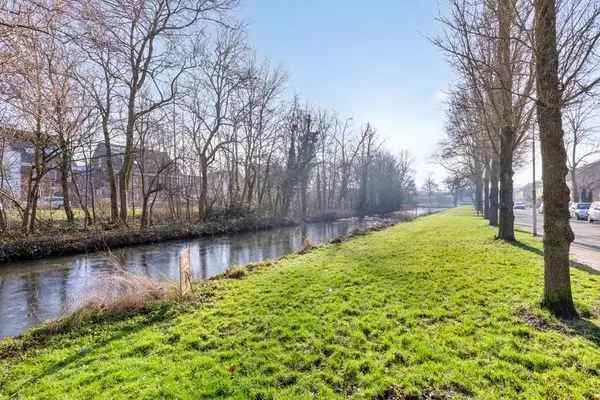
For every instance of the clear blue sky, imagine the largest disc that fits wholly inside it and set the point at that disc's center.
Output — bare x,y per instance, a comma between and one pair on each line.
368,60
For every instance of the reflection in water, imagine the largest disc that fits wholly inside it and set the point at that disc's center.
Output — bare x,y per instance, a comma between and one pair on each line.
34,291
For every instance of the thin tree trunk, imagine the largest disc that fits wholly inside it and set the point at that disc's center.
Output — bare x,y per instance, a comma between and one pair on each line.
82,204
64,181
493,217
126,168
486,193
203,200
478,195
34,202
557,231
574,186
110,172
303,197
3,220
144,216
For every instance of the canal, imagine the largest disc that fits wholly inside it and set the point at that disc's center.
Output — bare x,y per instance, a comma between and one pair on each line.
35,291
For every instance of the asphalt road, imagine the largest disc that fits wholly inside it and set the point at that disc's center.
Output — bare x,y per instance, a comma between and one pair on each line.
586,247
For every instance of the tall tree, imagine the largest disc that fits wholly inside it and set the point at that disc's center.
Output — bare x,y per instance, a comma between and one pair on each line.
507,218
146,38
557,231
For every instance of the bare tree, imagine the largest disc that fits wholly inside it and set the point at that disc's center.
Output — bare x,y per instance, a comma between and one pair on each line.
164,104
430,187
145,38
581,140
557,231
488,47
367,150
212,92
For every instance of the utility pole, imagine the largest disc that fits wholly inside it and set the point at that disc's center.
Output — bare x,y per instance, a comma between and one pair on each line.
533,191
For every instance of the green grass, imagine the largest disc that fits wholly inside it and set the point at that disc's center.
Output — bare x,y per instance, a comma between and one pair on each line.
434,307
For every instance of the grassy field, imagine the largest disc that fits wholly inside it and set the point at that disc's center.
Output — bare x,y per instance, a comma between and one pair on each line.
434,308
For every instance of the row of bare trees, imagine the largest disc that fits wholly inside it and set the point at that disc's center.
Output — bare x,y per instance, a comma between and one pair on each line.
160,109
522,65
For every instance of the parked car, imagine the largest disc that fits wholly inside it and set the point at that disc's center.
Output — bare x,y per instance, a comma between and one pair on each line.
580,210
54,202
594,212
519,206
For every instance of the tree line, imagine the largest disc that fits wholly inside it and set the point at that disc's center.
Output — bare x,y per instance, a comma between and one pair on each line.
523,67
168,102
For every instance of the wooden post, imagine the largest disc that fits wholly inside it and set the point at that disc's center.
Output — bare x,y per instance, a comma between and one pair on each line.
185,272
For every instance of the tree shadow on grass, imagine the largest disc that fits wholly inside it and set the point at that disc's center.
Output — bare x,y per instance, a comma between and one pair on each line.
584,328
526,247
578,326
539,252
159,315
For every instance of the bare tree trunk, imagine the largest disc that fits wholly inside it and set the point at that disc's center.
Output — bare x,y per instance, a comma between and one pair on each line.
478,189
343,189
493,217
33,190
478,196
203,199
82,204
125,173
28,204
65,165
506,229
34,202
3,220
507,218
110,171
144,216
575,192
93,199
362,194
557,231
486,193
123,197
303,197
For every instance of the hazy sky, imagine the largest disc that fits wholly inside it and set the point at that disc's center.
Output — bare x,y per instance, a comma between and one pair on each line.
368,60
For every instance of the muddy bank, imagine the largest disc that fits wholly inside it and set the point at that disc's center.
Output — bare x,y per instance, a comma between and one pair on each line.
86,242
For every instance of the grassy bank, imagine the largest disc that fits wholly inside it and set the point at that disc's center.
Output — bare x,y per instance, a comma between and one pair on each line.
85,241
434,308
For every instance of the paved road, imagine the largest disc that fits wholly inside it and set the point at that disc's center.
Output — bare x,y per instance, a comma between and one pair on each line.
586,247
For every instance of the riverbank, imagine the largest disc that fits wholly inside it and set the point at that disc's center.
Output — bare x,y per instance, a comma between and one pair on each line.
71,242
434,308
67,243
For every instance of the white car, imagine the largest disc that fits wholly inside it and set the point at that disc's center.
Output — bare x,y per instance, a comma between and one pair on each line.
594,212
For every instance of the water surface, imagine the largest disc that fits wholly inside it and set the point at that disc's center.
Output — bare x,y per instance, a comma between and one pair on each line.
35,291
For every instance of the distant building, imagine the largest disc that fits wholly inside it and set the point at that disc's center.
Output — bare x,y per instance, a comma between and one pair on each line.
148,162
17,154
588,182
